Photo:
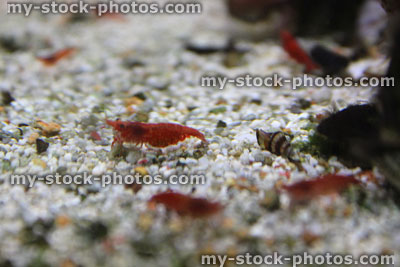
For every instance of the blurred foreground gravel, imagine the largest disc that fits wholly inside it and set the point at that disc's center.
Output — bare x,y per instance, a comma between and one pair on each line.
137,68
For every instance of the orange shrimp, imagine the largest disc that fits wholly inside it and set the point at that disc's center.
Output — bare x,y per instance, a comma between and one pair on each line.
157,135
326,185
297,53
186,205
57,56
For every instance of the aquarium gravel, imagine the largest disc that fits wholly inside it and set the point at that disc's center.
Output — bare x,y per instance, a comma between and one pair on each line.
137,68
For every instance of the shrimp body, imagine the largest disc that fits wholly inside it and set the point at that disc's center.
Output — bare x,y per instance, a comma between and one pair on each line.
186,205
325,185
296,52
157,135
57,56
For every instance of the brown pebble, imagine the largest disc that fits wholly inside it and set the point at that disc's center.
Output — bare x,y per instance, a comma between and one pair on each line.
142,170
134,187
63,220
68,263
348,211
49,129
131,110
32,138
145,222
271,200
39,162
133,101
310,238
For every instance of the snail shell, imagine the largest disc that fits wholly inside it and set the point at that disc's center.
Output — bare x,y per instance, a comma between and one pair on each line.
277,143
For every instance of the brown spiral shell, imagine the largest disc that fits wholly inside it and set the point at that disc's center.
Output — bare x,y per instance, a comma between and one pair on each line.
277,142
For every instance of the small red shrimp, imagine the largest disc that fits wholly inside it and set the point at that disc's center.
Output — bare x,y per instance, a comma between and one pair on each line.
157,135
186,205
95,136
325,185
57,56
296,52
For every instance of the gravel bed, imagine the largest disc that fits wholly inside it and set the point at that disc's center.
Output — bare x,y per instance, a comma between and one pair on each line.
138,68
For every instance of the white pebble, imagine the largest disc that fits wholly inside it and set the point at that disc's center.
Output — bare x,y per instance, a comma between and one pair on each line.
99,169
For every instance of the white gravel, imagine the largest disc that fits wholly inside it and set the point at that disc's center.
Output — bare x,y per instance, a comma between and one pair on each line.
80,92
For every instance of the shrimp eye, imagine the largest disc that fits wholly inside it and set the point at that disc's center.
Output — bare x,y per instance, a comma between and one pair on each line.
122,126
